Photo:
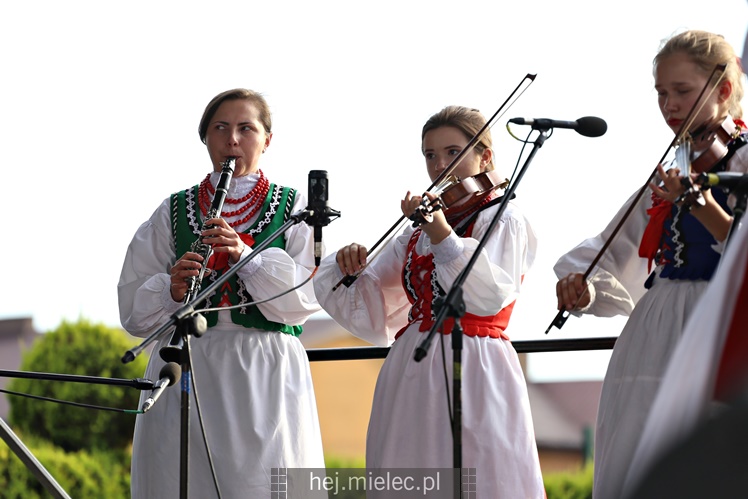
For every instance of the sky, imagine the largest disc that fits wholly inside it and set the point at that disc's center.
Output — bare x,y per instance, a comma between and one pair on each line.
101,102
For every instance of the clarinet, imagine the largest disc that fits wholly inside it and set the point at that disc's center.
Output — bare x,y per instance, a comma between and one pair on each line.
173,351
199,247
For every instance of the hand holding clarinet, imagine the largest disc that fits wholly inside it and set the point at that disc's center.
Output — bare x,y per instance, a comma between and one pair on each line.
216,236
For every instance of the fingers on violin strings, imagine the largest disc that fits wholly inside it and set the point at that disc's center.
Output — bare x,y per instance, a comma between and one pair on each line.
661,172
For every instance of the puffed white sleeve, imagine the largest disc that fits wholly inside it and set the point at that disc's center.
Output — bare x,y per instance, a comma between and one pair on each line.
273,271
144,285
618,279
375,307
495,279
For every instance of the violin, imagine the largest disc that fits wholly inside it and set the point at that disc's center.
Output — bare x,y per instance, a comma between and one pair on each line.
718,138
460,196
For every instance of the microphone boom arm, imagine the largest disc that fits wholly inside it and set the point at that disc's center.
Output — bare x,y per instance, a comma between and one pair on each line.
188,309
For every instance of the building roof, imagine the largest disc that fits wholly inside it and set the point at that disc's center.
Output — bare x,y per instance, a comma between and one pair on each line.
22,327
562,412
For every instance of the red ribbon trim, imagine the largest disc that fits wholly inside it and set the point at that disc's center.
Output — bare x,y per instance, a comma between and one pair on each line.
650,243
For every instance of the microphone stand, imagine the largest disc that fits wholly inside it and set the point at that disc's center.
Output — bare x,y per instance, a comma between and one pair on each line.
741,194
24,454
453,306
188,322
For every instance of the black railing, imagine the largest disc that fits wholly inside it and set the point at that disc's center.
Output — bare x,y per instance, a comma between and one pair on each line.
534,346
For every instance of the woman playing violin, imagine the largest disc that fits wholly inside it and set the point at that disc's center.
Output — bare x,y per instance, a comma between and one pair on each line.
393,300
658,267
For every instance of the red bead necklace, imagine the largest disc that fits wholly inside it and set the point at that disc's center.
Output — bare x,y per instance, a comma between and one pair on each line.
253,199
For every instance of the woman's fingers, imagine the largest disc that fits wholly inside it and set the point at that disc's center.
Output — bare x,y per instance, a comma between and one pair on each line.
571,292
352,258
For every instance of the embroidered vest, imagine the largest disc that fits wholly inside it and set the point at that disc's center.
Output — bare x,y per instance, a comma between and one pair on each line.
423,291
677,242
186,222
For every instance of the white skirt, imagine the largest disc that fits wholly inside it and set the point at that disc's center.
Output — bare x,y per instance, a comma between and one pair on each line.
634,374
410,424
258,407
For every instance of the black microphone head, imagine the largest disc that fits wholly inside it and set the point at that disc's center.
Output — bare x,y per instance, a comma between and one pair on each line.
591,126
317,189
171,370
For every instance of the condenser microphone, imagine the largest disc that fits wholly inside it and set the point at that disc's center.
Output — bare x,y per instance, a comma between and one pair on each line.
320,212
589,126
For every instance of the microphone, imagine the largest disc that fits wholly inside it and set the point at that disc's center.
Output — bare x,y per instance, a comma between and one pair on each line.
320,212
724,180
589,126
169,375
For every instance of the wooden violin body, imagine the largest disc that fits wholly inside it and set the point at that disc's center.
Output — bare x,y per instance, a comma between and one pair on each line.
717,138
461,196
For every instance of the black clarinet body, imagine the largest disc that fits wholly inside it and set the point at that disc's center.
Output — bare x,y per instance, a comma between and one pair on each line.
173,351
199,247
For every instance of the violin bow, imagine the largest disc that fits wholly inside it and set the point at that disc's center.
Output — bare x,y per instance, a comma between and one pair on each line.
564,314
350,279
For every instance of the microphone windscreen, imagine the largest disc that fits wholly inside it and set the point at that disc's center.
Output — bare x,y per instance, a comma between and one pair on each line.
171,370
591,126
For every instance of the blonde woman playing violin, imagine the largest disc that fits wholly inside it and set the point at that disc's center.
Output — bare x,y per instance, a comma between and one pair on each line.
393,300
659,265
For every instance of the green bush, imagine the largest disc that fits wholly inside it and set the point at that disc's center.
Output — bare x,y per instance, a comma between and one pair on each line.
332,461
570,485
86,349
82,474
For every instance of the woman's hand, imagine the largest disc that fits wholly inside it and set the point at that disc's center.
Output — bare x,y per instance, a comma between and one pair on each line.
572,293
351,259
438,229
672,187
187,267
223,238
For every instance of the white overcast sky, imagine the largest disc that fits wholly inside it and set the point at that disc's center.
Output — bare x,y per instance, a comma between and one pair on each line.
101,101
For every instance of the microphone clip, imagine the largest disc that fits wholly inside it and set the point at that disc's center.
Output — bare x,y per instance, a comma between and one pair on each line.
321,217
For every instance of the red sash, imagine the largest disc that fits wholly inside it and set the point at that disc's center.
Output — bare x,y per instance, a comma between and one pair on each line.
418,274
